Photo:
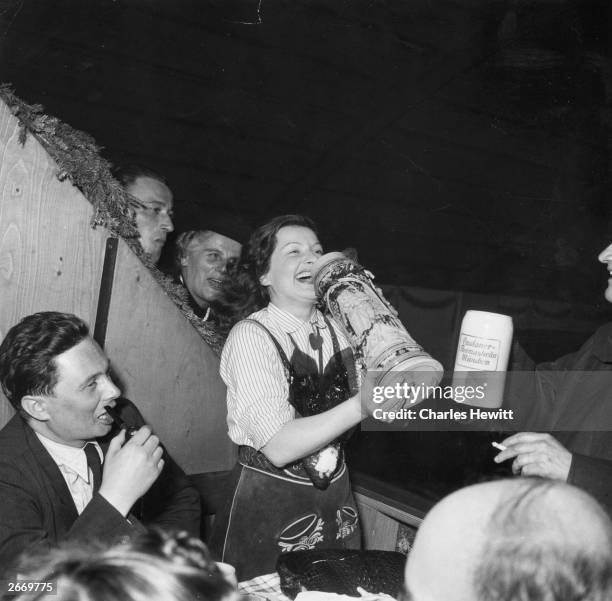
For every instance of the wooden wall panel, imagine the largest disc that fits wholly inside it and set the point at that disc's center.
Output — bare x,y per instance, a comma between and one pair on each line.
50,258
381,519
166,369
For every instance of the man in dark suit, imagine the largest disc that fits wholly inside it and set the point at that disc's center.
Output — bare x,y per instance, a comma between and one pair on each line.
52,485
568,427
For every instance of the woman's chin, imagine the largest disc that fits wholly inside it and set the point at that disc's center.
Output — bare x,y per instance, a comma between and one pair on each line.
305,295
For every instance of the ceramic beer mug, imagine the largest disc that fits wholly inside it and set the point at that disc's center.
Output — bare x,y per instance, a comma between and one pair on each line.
379,340
482,356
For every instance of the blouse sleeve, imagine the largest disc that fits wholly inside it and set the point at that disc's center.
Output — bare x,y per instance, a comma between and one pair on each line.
257,387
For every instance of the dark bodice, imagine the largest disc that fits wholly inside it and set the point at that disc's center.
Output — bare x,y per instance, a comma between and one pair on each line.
313,389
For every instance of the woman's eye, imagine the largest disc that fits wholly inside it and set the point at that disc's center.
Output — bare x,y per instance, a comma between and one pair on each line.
318,251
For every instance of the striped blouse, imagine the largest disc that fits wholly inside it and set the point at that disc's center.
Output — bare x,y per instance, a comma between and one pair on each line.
257,387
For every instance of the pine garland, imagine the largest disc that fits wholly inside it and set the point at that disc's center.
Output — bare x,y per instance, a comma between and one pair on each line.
78,159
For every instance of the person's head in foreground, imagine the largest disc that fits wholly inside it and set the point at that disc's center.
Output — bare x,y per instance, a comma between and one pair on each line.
512,540
152,202
184,550
156,567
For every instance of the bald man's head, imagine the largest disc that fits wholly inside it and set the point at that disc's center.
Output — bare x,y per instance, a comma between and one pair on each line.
521,539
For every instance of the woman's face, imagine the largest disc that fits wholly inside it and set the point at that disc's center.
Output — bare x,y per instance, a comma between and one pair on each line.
289,278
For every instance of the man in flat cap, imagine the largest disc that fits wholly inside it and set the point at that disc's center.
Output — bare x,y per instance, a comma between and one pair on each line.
203,257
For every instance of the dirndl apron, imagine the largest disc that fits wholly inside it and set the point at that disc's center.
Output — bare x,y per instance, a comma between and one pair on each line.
275,510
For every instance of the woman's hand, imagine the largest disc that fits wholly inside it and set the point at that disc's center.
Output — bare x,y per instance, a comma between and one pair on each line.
305,435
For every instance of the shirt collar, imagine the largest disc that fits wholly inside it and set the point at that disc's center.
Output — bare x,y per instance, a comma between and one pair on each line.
290,323
203,314
72,459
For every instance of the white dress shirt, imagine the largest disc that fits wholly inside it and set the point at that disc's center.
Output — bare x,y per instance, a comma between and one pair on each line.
72,463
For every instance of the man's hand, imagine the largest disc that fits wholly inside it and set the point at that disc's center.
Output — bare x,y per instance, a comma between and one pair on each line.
131,468
536,455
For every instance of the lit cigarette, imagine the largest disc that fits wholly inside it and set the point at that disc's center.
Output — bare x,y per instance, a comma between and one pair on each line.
501,447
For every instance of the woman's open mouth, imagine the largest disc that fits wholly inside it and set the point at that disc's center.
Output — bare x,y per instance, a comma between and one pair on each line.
304,277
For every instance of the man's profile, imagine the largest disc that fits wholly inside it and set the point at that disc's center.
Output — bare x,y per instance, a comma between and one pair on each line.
152,202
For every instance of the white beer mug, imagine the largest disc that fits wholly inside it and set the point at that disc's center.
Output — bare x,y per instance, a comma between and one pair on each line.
482,356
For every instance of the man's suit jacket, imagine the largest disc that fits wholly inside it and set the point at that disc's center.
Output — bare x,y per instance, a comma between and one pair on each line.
37,510
571,398
594,475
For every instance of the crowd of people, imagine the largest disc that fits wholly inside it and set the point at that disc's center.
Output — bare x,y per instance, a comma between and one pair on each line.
78,464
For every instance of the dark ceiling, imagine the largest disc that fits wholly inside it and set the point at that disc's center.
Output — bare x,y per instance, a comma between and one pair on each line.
458,145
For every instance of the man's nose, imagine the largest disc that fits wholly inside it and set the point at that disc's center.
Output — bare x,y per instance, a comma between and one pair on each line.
110,389
606,254
222,266
166,224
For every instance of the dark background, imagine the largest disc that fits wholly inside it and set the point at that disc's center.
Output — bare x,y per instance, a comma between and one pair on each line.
458,145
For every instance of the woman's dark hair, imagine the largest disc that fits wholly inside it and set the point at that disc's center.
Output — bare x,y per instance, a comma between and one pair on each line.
242,293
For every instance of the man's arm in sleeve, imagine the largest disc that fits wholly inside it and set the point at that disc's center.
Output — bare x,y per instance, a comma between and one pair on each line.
532,392
172,502
28,522
594,475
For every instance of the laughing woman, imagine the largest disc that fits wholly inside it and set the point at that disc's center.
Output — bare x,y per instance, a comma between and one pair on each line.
291,396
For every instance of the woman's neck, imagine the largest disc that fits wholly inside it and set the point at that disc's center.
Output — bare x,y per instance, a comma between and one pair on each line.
300,310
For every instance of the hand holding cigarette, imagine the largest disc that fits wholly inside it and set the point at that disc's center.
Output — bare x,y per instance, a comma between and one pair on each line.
535,454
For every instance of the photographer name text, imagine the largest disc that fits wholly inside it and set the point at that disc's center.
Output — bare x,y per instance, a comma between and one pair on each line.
428,414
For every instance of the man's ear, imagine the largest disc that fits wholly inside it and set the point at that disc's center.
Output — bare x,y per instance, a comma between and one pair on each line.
35,406
183,261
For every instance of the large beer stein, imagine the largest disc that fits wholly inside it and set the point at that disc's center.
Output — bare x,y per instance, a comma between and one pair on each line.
379,340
